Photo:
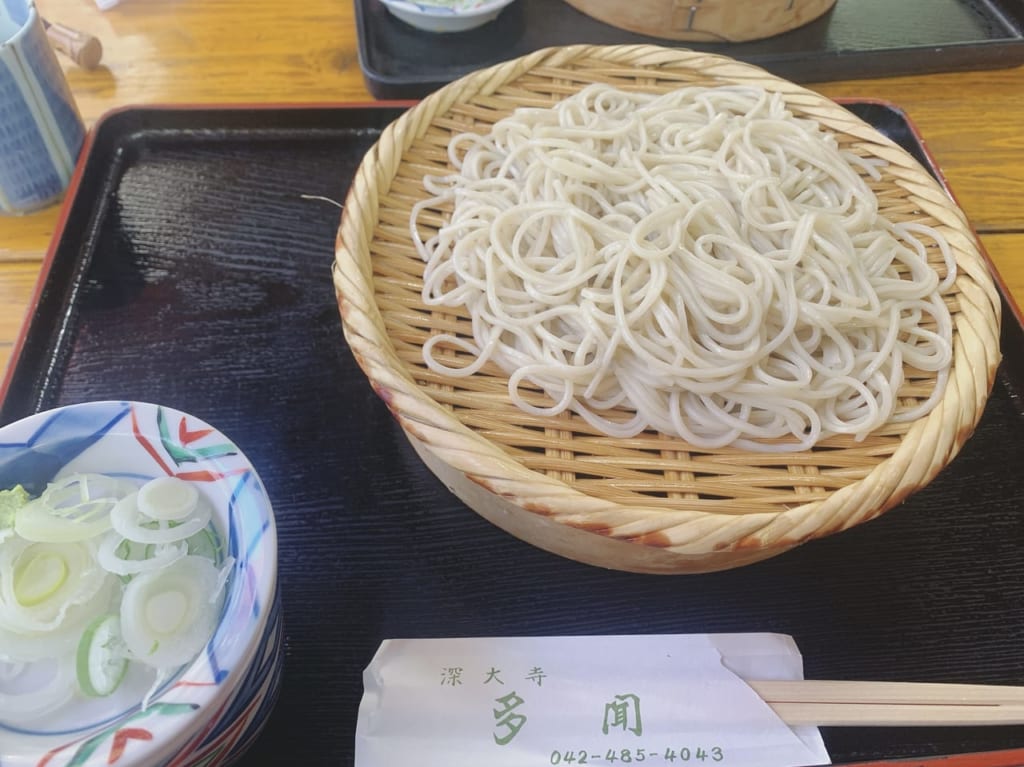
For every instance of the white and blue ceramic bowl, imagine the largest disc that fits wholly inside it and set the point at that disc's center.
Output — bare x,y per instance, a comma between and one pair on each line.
213,709
453,16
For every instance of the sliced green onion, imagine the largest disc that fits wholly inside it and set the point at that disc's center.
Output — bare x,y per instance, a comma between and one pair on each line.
73,508
101,661
29,692
168,615
30,646
132,524
40,582
168,498
205,544
123,557
105,574
38,576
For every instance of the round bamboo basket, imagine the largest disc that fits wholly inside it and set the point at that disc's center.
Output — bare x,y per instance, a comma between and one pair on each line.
651,503
706,20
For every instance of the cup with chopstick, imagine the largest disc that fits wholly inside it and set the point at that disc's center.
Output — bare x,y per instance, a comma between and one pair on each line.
41,130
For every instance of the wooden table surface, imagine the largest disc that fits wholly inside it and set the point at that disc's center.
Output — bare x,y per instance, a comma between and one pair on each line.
230,51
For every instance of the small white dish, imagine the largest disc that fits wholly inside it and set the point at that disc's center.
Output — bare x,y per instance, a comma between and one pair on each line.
456,16
213,708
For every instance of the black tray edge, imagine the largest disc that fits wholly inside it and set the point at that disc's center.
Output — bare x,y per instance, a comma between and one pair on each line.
77,208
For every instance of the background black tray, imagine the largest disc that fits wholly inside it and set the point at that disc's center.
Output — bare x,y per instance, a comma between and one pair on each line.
857,38
190,271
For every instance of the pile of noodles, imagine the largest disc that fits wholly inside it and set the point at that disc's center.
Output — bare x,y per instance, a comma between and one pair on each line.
702,263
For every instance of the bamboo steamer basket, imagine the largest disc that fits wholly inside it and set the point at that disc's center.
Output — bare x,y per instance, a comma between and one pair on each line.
706,20
651,503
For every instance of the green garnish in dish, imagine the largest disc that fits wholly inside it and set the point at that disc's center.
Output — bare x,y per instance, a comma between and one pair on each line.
10,501
98,572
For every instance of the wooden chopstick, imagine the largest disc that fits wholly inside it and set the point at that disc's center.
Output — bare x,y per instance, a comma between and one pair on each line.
891,704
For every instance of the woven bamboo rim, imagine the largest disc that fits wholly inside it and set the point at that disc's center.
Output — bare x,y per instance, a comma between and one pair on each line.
650,503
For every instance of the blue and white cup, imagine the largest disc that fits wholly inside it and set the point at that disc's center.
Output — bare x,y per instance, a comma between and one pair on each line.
41,131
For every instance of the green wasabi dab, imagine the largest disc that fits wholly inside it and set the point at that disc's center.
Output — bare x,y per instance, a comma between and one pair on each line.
10,501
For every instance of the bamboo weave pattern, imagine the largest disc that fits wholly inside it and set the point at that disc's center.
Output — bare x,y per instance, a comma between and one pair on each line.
711,508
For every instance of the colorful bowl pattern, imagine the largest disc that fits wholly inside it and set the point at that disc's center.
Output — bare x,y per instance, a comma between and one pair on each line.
212,711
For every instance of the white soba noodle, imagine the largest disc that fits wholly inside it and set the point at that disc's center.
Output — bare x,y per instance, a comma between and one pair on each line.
703,261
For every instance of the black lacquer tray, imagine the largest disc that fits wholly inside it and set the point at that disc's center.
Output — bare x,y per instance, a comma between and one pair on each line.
193,269
857,38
